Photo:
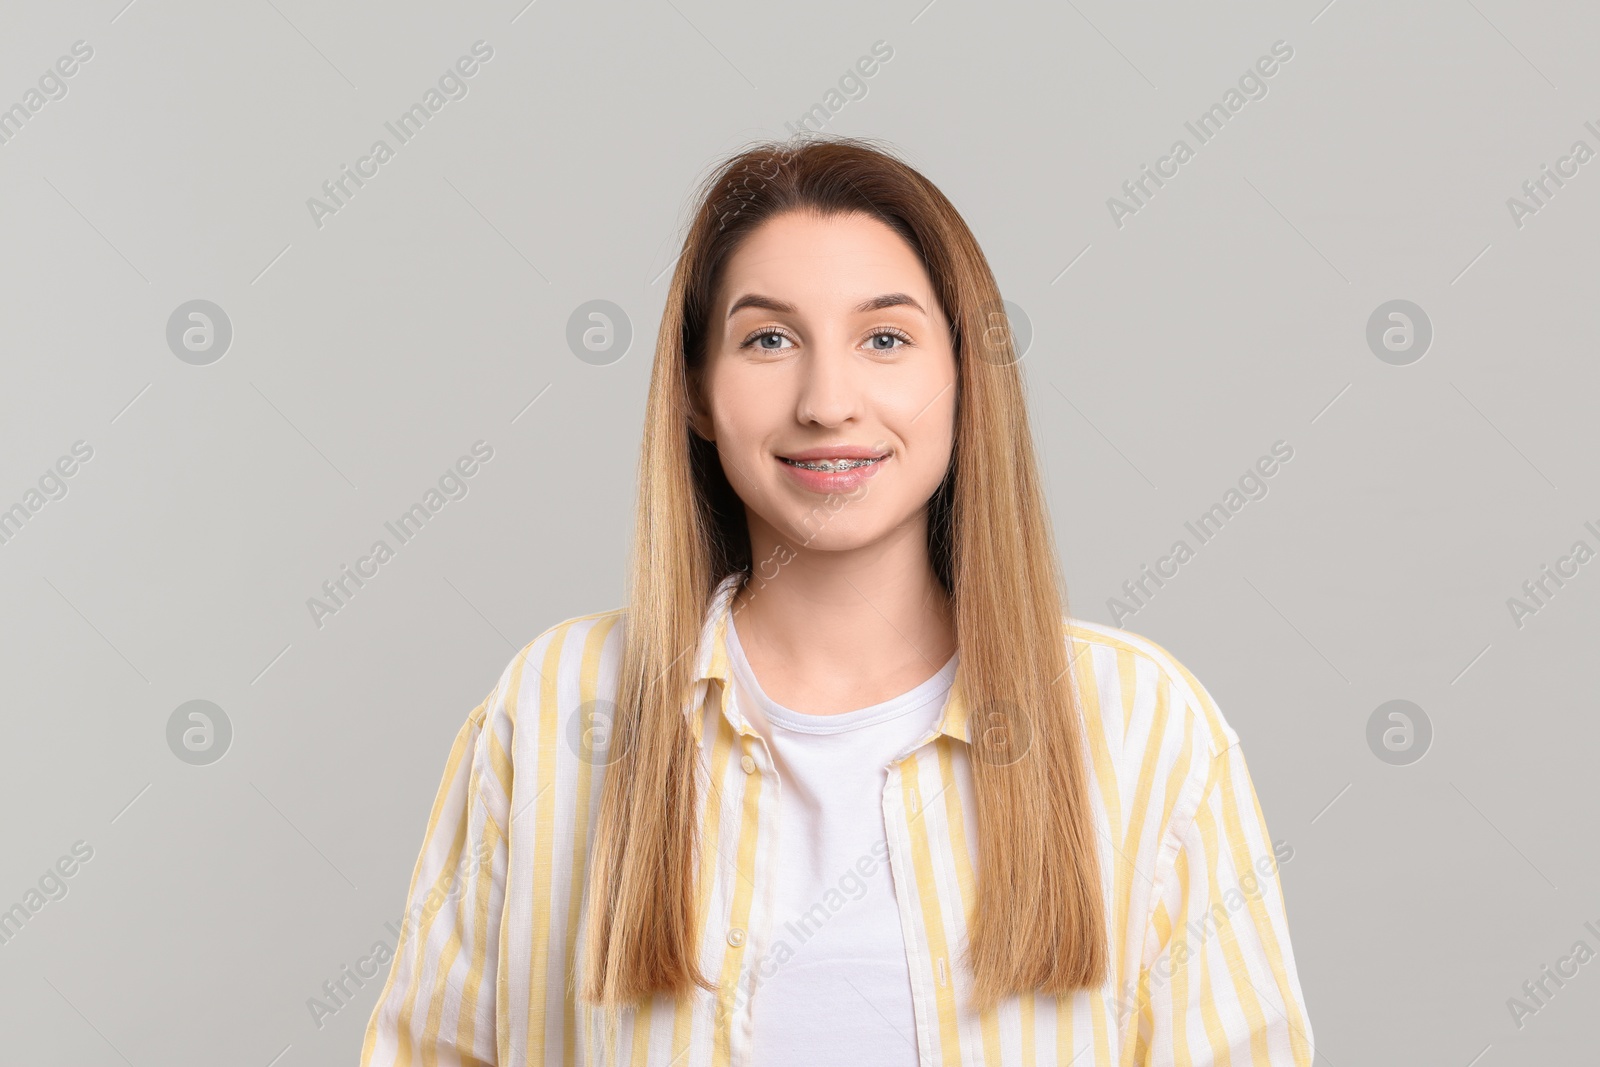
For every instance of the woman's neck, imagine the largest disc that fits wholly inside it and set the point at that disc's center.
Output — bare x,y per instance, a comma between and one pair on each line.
827,633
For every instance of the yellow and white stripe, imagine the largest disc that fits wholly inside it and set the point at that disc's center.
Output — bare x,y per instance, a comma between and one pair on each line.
1202,971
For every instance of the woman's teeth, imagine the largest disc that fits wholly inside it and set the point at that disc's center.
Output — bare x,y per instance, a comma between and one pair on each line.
831,465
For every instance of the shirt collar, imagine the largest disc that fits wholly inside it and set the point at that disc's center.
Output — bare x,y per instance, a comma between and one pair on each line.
712,663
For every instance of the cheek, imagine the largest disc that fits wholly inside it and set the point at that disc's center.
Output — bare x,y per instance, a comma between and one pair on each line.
925,419
744,414
744,411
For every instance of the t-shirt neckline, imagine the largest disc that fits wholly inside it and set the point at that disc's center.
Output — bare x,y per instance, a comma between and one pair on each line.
916,697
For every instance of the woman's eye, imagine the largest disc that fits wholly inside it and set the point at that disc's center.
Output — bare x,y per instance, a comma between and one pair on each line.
758,340
773,341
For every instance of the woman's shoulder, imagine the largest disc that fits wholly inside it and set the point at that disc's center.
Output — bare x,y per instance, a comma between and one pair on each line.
555,640
559,661
566,667
1137,694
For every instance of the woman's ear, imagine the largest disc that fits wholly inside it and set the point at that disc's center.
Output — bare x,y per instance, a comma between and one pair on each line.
699,414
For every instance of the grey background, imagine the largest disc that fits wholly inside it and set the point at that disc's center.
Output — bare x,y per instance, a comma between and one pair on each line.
432,310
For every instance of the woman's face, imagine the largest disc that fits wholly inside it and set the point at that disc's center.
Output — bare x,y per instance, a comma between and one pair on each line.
826,343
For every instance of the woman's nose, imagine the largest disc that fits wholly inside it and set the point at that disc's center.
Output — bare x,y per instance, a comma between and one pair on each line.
828,387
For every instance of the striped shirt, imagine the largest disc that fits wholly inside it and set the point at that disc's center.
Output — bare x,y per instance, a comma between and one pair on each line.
1201,970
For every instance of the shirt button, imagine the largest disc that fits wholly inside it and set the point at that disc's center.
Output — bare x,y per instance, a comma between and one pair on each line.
736,936
749,765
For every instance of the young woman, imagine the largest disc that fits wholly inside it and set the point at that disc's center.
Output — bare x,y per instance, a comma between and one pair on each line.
843,783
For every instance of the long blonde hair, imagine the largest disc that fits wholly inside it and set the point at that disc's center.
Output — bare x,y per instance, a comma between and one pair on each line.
1039,924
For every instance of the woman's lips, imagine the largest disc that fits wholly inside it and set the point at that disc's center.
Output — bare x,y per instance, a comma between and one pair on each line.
821,481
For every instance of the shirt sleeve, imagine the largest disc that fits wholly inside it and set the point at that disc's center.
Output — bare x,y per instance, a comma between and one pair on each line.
1218,984
438,1004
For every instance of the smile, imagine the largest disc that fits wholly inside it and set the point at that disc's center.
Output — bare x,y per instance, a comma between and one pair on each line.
833,465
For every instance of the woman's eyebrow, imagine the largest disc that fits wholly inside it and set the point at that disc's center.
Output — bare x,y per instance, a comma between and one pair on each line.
877,303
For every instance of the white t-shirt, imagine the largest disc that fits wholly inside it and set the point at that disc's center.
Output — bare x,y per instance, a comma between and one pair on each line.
844,996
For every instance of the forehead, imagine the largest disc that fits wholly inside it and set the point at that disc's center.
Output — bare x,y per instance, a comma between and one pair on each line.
805,258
